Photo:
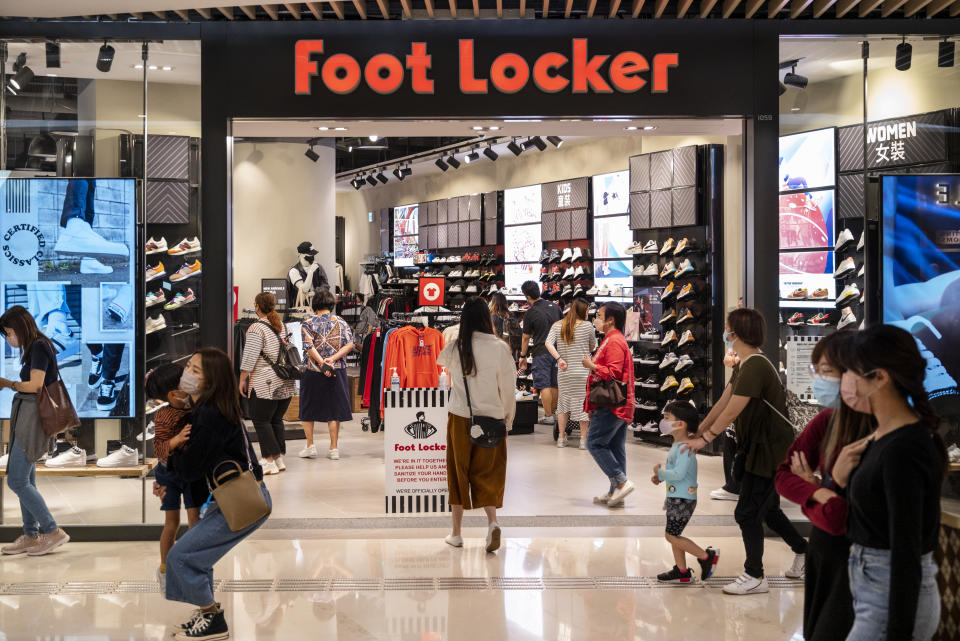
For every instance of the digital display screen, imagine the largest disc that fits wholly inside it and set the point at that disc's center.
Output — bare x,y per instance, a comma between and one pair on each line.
807,220
611,193
516,275
521,205
405,234
807,270
921,271
611,237
522,244
807,160
68,258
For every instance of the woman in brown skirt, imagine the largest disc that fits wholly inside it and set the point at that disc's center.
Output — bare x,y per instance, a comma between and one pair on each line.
476,475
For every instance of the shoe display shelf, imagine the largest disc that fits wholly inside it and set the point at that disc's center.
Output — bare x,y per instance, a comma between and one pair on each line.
566,272
471,271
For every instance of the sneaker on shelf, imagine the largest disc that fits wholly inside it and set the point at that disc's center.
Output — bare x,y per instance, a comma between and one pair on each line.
668,269
554,256
651,335
567,291
686,291
648,406
683,245
847,318
269,467
649,359
544,255
78,237
109,393
669,337
687,337
579,273
846,266
578,291
721,494
155,298
156,246
155,272
604,291
797,568
74,457
126,456
471,288
93,266
155,324
669,383
650,247
667,247
845,237
513,308
676,575
151,432
709,564
686,385
862,270
650,426
685,267
650,382
456,288
684,363
670,317
186,271
849,293
333,455
577,254
668,292
860,242
47,543
592,308
180,300
308,452
569,274
185,246
686,317
668,360
456,273
634,249
567,255
819,294
746,584
820,320
796,320
651,270
800,293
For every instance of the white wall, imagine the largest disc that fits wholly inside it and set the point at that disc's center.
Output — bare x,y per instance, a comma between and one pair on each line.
280,199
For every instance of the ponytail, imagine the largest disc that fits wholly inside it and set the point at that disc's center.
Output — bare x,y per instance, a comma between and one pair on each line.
267,303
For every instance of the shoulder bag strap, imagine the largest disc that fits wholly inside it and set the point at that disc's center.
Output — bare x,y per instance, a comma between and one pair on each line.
777,375
466,386
263,353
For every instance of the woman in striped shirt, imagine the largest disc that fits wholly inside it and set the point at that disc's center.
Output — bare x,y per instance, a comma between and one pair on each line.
569,341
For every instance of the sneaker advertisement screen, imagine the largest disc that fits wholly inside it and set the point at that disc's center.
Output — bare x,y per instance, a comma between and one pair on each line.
806,279
406,237
921,272
807,160
68,259
612,237
611,193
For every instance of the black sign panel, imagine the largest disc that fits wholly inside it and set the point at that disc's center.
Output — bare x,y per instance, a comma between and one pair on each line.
277,287
564,194
896,142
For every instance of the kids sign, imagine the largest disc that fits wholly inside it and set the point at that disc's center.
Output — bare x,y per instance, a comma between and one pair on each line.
575,71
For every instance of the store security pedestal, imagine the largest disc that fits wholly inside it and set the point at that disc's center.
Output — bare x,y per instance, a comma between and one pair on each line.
527,416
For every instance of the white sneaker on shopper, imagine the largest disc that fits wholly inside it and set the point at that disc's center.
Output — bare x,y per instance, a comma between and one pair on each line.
3,461
561,442
309,452
721,494
798,568
280,464
583,444
333,455
454,541
126,456
493,538
603,499
618,494
269,467
746,584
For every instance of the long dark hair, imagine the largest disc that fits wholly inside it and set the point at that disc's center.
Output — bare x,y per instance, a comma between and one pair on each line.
267,303
475,317
498,305
220,383
895,351
578,312
20,321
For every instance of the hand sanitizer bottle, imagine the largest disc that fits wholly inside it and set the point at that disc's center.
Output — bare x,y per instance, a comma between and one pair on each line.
444,379
394,380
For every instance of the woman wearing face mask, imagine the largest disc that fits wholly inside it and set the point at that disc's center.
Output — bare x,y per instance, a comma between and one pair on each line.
827,606
892,482
755,402
216,435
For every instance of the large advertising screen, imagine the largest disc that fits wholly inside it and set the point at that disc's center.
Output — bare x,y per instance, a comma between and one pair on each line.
406,238
806,279
807,160
521,205
68,258
921,270
807,220
612,237
611,193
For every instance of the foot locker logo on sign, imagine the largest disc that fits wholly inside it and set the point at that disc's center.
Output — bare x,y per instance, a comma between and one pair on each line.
431,291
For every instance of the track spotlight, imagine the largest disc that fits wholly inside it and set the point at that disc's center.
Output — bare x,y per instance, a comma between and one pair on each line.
357,182
556,141
408,170
514,148
311,154
904,56
535,141
381,177
371,180
490,153
442,165
399,173
452,160
473,156
22,74
793,79
945,54
105,57
53,54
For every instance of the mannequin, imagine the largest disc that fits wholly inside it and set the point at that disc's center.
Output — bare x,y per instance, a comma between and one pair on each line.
306,277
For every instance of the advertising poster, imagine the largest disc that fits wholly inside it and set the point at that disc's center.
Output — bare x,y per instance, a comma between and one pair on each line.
808,270
522,244
807,220
611,193
612,237
921,272
68,259
807,160
405,234
517,275
415,450
521,205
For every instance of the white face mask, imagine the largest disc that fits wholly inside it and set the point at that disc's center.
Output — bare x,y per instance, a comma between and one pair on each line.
667,426
190,382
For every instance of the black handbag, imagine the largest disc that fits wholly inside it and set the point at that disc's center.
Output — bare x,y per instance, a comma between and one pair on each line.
609,394
485,431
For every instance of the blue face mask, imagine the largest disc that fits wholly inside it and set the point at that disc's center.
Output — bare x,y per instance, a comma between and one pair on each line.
827,391
726,339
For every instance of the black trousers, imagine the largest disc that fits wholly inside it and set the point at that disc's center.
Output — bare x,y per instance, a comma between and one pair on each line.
728,448
267,417
827,604
759,503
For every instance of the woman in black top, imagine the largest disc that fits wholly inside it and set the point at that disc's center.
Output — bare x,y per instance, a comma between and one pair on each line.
892,481
39,369
215,435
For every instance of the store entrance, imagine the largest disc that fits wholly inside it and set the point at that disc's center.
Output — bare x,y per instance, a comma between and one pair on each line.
410,219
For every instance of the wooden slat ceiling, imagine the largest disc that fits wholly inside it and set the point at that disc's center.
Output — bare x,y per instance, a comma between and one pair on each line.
570,9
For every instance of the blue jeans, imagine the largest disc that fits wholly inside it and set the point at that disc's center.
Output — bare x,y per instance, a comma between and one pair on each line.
22,479
78,202
191,559
870,586
607,442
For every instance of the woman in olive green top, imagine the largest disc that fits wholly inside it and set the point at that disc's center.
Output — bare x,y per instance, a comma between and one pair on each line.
755,402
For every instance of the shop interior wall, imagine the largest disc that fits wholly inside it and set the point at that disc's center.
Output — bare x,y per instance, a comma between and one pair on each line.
280,199
577,157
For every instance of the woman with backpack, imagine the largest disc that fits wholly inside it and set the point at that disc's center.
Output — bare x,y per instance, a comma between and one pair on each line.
269,395
324,389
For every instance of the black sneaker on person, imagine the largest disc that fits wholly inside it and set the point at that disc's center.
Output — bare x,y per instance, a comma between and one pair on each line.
675,576
708,564
207,626
196,614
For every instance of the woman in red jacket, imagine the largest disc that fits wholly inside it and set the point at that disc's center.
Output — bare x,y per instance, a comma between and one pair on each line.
804,478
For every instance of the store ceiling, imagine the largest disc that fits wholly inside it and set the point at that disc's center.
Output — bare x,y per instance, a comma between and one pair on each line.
445,9
822,58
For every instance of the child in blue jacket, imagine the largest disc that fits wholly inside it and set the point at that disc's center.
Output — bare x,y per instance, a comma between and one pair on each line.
680,420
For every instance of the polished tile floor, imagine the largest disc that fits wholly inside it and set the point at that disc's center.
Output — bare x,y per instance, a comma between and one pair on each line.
408,586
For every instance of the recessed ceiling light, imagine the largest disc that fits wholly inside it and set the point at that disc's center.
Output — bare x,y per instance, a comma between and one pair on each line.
152,67
631,128
167,68
137,66
494,128
794,108
323,128
477,128
51,75
649,128
339,128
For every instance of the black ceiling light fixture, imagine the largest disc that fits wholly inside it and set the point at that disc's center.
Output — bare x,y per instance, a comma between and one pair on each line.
473,156
357,182
514,148
904,55
310,153
53,54
452,160
945,53
490,153
793,79
399,173
556,141
535,141
22,74
442,165
105,57
371,180
382,177
782,90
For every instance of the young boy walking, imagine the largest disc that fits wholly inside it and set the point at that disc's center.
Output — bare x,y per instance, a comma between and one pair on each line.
680,420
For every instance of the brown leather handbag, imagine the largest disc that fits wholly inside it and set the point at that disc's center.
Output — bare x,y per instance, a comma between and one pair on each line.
608,393
55,408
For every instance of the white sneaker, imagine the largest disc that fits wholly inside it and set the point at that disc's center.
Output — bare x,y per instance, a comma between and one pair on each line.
746,584
721,494
583,444
74,457
126,456
280,464
93,266
650,247
846,236
309,452
453,541
156,246
603,499
155,324
333,455
561,442
567,255
269,467
846,266
79,238
621,492
634,249
185,246
493,538
651,270
798,568
848,318
860,242
849,293
3,461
